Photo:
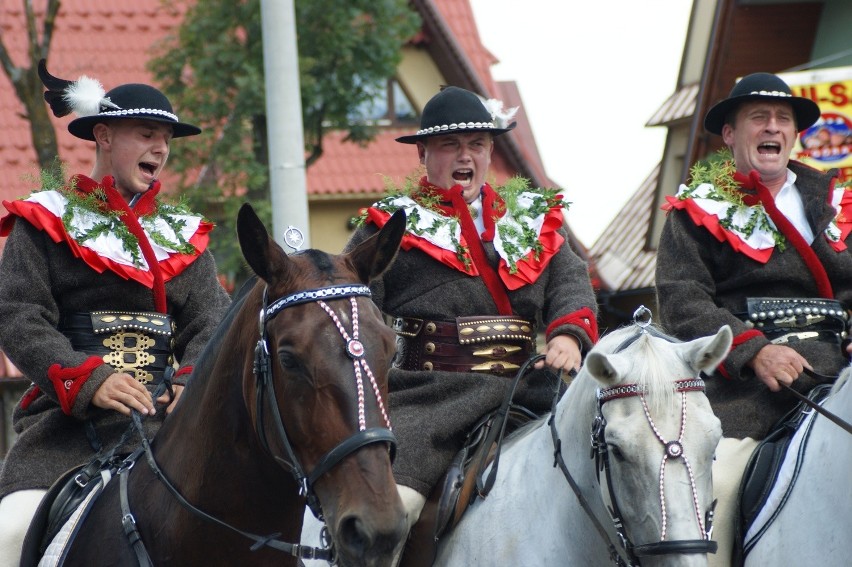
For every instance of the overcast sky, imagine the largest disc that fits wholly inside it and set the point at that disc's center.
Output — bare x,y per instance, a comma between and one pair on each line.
591,74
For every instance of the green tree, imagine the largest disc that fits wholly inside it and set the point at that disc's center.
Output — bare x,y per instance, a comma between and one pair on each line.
212,69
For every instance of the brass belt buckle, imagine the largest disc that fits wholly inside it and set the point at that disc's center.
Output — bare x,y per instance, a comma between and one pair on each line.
494,367
496,351
124,345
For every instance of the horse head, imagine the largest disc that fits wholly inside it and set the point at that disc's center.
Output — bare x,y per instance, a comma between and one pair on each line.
319,394
654,436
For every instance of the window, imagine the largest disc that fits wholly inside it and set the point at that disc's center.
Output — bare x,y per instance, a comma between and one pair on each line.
388,105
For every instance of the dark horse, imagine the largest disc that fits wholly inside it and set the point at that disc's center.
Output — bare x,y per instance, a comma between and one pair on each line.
311,403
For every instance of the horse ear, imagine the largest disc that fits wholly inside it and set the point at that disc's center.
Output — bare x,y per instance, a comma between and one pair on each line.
262,254
599,366
376,254
705,354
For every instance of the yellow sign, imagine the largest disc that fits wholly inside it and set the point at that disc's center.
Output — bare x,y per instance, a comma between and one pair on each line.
828,143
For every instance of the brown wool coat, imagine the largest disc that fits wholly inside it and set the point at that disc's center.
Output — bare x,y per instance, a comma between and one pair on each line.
38,279
702,282
432,412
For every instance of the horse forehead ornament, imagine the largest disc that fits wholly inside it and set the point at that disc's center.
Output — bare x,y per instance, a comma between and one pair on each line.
672,450
294,238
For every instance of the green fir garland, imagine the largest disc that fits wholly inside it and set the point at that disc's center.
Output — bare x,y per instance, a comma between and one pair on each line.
718,172
109,221
517,238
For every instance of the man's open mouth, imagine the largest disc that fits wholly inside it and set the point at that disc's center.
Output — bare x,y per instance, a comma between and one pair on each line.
463,176
769,148
149,168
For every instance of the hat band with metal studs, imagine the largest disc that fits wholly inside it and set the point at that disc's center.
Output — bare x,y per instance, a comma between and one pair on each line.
136,111
448,127
770,93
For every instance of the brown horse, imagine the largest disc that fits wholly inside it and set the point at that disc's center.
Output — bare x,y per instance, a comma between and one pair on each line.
287,401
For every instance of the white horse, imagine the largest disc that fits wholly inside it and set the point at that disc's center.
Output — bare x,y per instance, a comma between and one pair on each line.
814,524
639,391
658,443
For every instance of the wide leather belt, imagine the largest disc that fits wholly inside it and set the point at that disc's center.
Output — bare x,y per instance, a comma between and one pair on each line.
138,343
488,344
788,320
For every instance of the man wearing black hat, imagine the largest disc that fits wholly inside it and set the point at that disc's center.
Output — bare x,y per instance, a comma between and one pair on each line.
759,244
105,293
478,267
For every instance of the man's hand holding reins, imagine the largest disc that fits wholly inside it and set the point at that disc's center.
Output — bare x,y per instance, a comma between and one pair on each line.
562,353
778,365
122,393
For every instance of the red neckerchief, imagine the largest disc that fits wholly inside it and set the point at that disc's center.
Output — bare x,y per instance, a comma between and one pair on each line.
453,205
752,181
146,205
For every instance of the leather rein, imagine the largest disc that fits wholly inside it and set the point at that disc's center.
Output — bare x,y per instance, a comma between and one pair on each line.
837,420
262,369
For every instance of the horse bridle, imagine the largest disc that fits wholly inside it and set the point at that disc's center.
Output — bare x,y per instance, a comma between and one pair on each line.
266,388
262,369
673,450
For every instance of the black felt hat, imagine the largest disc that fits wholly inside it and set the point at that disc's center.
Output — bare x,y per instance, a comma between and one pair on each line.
456,110
86,98
762,86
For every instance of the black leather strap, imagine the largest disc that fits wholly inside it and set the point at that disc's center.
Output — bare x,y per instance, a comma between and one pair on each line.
818,408
128,522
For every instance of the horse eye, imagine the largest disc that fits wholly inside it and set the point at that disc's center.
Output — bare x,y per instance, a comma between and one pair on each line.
288,360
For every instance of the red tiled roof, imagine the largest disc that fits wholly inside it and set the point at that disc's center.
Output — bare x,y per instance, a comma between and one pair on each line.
511,97
348,168
352,169
110,41
457,15
131,28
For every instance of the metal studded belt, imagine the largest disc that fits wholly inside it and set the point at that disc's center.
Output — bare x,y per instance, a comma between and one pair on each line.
138,343
788,320
488,344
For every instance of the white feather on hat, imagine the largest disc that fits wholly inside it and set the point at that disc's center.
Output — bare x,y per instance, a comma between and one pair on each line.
85,97
500,116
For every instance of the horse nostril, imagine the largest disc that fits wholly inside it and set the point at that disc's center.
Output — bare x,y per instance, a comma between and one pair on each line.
354,536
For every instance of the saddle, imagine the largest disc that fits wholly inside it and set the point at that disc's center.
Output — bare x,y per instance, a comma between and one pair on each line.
460,486
761,472
60,502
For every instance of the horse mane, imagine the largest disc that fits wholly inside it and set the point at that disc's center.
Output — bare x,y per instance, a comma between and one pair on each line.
651,356
207,358
320,260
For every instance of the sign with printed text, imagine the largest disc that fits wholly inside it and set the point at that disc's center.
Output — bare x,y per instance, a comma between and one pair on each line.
828,143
